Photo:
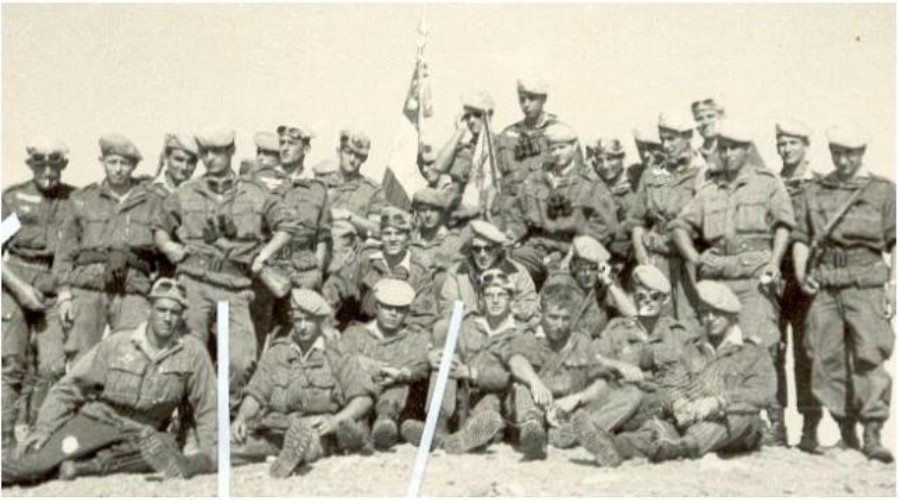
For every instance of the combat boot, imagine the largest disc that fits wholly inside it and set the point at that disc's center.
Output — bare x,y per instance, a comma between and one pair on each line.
384,434
809,441
532,440
478,431
848,434
562,437
71,469
297,442
776,433
873,449
595,440
350,437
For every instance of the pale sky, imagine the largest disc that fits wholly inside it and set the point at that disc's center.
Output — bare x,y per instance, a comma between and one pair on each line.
77,72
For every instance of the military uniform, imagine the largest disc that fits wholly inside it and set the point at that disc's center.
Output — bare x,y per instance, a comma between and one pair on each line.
659,199
550,210
373,267
29,255
114,395
595,310
441,253
846,314
735,220
290,384
360,195
462,283
223,224
103,234
624,197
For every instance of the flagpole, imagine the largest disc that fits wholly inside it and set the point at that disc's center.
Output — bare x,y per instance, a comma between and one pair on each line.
491,158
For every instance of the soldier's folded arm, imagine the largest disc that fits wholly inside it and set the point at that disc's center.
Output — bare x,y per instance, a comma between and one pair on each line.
489,374
86,377
686,228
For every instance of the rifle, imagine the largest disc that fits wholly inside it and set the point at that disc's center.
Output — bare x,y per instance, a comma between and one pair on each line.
816,251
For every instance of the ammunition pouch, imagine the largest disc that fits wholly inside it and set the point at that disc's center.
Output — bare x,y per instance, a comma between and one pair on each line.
218,265
527,147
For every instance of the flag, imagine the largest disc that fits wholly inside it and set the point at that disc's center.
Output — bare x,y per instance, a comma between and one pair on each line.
401,175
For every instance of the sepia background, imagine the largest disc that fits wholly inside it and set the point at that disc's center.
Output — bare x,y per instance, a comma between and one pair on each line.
77,72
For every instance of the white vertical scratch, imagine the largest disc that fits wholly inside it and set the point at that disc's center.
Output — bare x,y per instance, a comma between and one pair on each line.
224,422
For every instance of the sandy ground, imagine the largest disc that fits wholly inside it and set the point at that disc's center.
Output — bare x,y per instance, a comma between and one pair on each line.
772,472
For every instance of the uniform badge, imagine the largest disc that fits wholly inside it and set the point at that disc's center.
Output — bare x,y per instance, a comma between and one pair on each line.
70,445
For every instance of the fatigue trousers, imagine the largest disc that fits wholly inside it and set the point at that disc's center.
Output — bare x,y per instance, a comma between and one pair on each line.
615,406
794,308
95,310
242,343
32,343
733,434
848,340
266,440
460,401
683,294
80,437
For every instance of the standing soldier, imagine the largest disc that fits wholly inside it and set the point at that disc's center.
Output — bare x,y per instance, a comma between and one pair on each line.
30,314
215,229
440,246
649,151
178,163
357,198
397,354
522,148
847,220
109,413
427,161
304,258
557,204
792,144
268,149
106,251
307,396
608,165
743,216
326,172
663,192
708,113
456,157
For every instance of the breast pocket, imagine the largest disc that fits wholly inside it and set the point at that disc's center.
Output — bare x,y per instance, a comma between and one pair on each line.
864,221
138,232
753,214
714,220
171,382
94,229
321,392
248,218
193,219
123,385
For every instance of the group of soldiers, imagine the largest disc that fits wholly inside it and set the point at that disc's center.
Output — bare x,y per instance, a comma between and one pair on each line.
636,311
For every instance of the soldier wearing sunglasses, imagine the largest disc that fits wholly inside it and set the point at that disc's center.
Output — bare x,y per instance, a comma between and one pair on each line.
30,312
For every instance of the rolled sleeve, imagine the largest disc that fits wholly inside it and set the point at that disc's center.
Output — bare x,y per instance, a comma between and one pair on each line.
355,381
279,217
782,206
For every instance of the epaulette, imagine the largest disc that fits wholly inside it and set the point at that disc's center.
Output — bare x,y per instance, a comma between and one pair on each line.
765,171
143,179
878,178
16,187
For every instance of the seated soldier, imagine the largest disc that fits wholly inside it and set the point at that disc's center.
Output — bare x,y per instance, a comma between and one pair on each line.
724,382
107,414
555,373
638,352
478,381
484,250
396,354
306,396
589,273
393,258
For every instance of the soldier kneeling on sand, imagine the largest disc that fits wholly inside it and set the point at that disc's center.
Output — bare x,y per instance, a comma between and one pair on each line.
305,398
724,382
106,415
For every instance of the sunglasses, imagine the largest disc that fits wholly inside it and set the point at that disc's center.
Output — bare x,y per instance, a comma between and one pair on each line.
46,158
476,114
394,220
641,295
482,248
293,132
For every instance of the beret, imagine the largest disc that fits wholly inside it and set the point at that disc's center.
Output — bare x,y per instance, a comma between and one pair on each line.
309,301
393,292
533,85
298,133
431,197
651,277
496,277
487,231
355,141
559,132
792,127
477,99
716,103
182,141
116,144
167,288
45,149
676,120
847,136
342,228
426,154
609,146
587,248
729,130
395,217
718,296
647,134
325,167
267,141
215,137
